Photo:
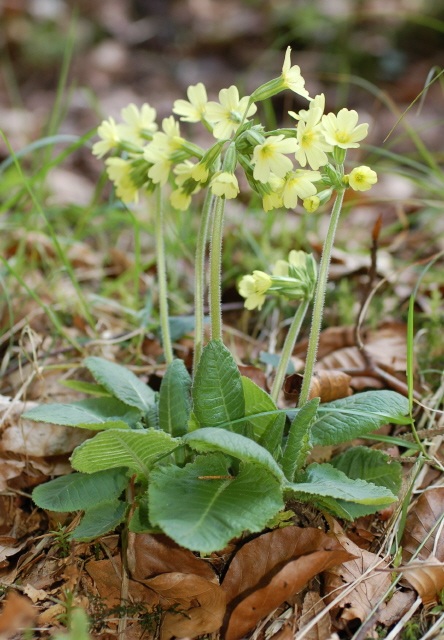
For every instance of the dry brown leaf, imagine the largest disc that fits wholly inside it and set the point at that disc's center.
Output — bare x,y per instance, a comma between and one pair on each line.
421,520
151,555
17,613
326,385
370,577
427,578
199,604
107,576
35,594
313,605
270,569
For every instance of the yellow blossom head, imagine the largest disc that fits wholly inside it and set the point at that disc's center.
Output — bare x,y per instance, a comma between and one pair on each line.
254,287
224,184
291,76
362,178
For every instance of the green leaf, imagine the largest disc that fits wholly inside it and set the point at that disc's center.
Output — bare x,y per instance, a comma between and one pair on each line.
325,480
349,418
80,490
272,438
298,441
217,390
174,399
257,401
233,444
140,521
137,450
93,413
100,520
370,465
203,512
121,383
86,387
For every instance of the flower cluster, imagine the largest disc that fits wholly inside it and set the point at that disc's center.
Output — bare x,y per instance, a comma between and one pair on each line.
282,166
293,279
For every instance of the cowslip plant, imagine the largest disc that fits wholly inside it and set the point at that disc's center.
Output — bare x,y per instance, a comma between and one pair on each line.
211,455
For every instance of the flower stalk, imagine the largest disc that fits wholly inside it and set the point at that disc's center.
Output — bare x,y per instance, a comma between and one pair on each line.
216,268
199,276
162,279
287,349
319,299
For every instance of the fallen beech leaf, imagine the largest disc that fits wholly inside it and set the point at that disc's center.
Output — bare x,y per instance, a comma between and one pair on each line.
107,577
369,589
151,555
327,385
17,613
270,569
313,605
427,578
421,520
199,604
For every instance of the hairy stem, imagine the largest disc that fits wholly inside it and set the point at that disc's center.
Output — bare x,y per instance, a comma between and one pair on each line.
319,299
287,349
162,279
199,277
216,269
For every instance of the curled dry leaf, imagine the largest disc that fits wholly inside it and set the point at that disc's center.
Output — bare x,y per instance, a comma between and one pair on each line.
199,605
272,568
369,580
150,555
327,385
421,526
427,578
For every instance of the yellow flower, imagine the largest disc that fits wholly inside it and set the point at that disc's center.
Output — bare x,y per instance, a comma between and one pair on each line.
299,184
227,114
119,172
269,157
318,102
362,178
311,204
342,130
224,184
194,110
180,200
254,287
312,144
160,150
109,132
291,76
136,122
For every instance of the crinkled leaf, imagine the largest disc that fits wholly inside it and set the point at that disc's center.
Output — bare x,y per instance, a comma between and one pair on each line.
137,450
80,490
93,413
100,520
174,399
370,465
218,396
348,418
298,441
325,480
121,383
202,507
233,444
257,401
